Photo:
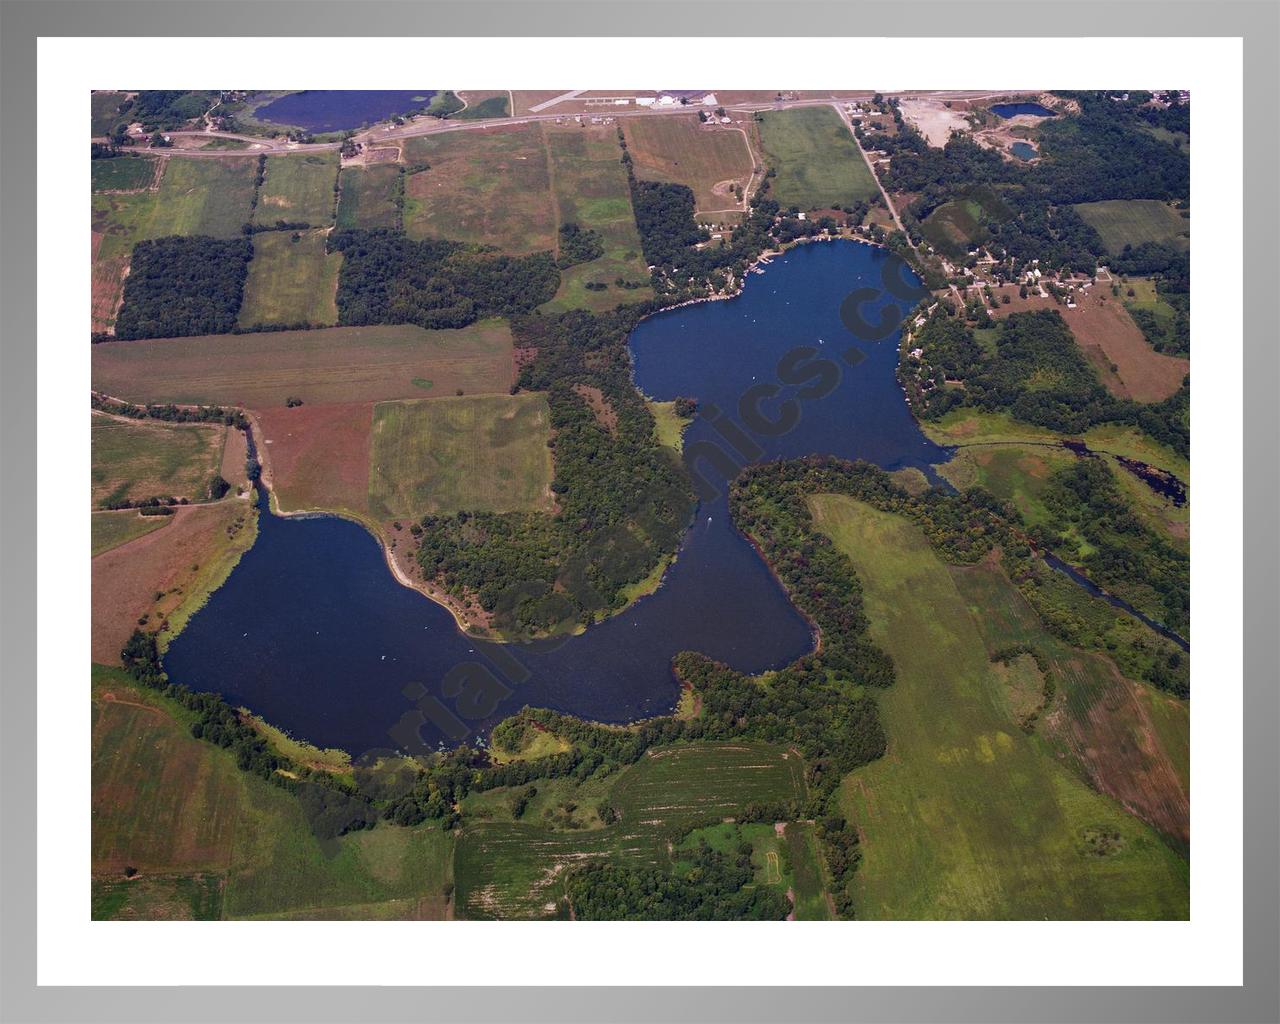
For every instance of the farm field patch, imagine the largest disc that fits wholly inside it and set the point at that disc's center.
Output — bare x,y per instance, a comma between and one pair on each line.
516,870
369,196
317,456
299,188
123,173
136,460
1123,222
336,364
111,529
1115,346
484,187
816,159
965,816
483,453
203,197
166,575
680,149
290,281
591,190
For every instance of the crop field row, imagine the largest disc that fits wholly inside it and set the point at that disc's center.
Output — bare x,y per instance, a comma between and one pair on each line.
368,198
337,364
817,161
297,187
511,869
967,816
292,280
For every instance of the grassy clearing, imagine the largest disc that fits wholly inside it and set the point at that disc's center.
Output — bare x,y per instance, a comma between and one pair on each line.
591,189
132,460
485,187
111,529
484,104
195,897
104,111
338,364
817,161
291,282
966,817
298,187
1123,222
668,426
123,173
516,869
368,198
169,804
484,453
680,149
204,197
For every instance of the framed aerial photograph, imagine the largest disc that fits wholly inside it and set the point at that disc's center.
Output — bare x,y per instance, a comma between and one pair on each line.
754,517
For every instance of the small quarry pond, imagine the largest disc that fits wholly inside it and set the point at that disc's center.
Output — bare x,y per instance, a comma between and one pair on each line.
1014,109
312,632
339,109
1024,151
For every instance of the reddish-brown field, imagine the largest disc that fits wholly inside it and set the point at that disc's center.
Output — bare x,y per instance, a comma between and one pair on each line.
332,365
709,159
317,456
173,562
1108,337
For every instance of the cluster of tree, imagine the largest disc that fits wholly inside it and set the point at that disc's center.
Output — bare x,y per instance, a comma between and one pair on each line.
147,506
279,224
624,499
387,278
161,109
840,844
183,285
1037,374
156,510
1171,268
578,245
1126,556
708,886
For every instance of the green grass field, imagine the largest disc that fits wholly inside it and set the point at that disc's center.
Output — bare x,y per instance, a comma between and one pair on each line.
123,173
475,453
204,197
1123,222
180,811
517,868
591,190
817,161
298,187
368,197
137,460
291,282
965,816
111,529
337,364
669,427
488,188
103,107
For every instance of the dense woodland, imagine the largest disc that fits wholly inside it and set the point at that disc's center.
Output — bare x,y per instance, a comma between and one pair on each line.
183,285
1037,374
578,245
387,278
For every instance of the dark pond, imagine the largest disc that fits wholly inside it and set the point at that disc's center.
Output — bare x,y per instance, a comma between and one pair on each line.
337,110
1014,109
312,631
1024,151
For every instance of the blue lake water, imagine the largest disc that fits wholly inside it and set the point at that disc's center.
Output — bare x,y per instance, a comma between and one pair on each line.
312,631
1014,109
1024,151
337,110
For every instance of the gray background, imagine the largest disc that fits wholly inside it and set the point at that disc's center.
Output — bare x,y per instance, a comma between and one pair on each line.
22,22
